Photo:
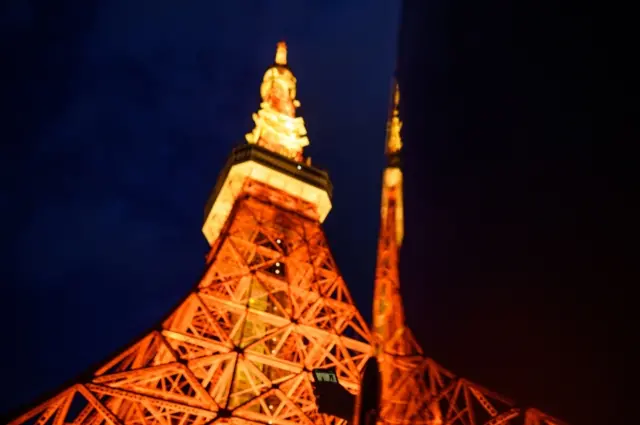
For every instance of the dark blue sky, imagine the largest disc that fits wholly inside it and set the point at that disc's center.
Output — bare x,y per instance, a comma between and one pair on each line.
120,117
124,115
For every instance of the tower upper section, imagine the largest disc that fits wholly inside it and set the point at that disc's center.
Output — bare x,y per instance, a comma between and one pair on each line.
394,140
271,165
392,179
276,126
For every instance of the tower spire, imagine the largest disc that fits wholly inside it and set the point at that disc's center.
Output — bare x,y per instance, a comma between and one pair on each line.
394,140
281,53
390,332
276,126
394,345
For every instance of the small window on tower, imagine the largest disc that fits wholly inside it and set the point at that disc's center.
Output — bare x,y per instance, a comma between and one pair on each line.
282,246
277,269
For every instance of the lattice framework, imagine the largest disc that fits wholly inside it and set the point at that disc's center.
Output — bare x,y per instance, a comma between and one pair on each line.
239,349
270,307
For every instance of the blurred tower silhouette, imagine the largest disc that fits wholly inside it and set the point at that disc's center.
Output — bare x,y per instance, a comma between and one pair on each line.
415,389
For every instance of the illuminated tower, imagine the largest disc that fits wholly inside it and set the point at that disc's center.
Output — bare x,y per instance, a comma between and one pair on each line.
271,304
414,388
399,354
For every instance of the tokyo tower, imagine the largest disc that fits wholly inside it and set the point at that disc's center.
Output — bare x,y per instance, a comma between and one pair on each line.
272,306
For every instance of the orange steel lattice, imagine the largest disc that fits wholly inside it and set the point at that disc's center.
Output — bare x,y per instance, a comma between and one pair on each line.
272,305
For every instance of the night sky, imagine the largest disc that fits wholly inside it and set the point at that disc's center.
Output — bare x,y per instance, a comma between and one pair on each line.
126,115
515,267
123,115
